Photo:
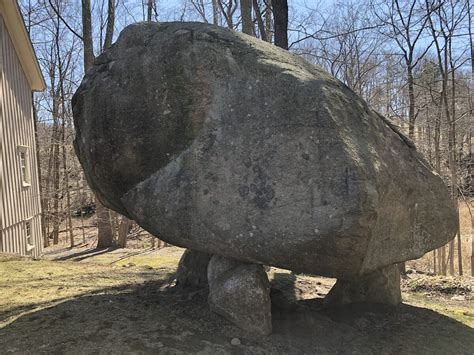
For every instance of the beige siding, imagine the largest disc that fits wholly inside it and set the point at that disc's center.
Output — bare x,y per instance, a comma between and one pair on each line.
18,203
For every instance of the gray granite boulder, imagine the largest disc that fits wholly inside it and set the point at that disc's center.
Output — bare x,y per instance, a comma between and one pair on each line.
379,286
240,292
225,144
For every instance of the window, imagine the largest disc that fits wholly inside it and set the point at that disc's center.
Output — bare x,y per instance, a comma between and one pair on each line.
24,165
28,229
29,239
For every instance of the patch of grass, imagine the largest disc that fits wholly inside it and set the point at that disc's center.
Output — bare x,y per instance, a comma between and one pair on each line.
463,314
29,285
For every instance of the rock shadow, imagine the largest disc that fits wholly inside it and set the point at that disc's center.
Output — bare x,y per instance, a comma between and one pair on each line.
154,317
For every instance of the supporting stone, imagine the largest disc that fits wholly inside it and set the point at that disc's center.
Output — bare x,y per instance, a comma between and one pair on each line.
192,269
240,292
380,286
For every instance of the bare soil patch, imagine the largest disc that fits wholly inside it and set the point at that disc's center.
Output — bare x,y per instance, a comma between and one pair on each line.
124,302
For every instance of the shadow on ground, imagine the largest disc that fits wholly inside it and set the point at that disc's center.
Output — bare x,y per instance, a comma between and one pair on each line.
83,254
153,317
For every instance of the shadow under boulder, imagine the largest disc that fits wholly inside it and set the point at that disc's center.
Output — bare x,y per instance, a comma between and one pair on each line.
155,318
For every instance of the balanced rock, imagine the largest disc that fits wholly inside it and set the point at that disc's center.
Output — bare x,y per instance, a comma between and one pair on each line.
225,144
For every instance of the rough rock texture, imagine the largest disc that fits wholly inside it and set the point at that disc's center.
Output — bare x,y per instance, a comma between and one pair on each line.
241,293
222,143
380,286
192,269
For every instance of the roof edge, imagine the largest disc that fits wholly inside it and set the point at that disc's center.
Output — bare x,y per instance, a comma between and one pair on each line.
16,28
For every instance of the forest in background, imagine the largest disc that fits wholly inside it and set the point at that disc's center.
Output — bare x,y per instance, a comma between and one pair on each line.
412,61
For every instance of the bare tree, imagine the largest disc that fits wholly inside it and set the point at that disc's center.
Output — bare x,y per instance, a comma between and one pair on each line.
406,22
280,18
268,19
105,234
261,25
471,43
87,35
448,16
228,9
109,33
215,12
246,14
124,227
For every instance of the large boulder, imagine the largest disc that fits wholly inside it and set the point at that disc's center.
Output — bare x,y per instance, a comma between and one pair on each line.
225,144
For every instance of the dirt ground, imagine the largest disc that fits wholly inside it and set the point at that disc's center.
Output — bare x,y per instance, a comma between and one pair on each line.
123,301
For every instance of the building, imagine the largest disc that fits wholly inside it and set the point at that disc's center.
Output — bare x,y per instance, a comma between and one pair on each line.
20,75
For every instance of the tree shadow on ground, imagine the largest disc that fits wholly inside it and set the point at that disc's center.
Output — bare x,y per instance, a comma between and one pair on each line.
71,255
154,317
84,254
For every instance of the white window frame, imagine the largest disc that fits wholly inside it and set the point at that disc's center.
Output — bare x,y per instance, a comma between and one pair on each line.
28,227
24,160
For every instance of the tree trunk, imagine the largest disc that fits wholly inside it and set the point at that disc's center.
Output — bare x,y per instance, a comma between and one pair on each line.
471,40
104,226
454,161
443,261
261,26
66,182
268,20
63,143
52,183
280,19
443,53
429,139
47,192
227,12
149,9
472,244
109,32
125,224
79,191
87,35
215,12
411,103
437,141
246,14
451,257
38,161
56,216
451,161
105,234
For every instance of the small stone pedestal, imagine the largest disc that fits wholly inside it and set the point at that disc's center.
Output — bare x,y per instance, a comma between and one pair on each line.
379,286
192,269
240,292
